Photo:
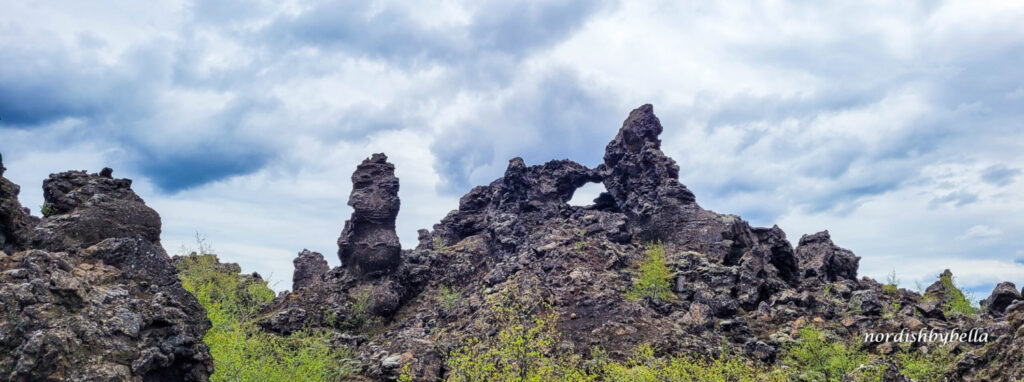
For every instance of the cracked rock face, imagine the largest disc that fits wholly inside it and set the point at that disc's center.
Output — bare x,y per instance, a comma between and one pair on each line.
820,259
368,245
93,295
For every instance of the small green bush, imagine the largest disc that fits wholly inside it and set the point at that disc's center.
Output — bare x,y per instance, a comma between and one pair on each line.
957,301
654,276
47,209
930,367
817,358
449,297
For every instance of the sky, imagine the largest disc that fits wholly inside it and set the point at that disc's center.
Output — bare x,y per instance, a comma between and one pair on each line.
896,125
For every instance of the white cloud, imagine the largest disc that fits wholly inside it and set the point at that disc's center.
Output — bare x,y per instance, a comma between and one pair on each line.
892,124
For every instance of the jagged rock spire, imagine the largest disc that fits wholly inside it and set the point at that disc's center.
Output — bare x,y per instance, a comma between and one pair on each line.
368,244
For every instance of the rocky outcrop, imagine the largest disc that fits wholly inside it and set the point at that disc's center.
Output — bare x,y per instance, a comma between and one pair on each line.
94,296
643,180
822,260
310,268
368,244
15,221
1002,296
734,287
83,209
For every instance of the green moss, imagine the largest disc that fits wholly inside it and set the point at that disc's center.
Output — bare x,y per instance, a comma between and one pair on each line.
654,278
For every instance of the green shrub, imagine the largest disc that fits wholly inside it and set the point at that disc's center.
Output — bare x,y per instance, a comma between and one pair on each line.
521,351
654,276
645,367
240,350
47,209
957,301
449,297
816,358
930,367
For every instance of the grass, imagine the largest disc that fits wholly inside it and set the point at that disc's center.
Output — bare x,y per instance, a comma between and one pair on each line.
240,350
892,283
654,277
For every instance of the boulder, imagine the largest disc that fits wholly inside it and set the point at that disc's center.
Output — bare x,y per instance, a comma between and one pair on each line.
1002,296
820,259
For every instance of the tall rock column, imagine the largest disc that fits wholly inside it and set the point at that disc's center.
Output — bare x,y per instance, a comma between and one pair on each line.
368,245
643,180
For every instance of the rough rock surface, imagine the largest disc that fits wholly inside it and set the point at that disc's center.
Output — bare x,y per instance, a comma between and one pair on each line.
92,295
368,244
15,221
310,268
822,260
1002,296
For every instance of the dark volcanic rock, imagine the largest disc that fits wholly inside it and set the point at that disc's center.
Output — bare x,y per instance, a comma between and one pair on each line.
83,209
644,181
820,259
15,221
368,244
95,296
310,268
1002,296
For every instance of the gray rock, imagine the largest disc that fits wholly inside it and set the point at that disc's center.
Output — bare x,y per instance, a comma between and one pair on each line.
310,268
368,245
1002,296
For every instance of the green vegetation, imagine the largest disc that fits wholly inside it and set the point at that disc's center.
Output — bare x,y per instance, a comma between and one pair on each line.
449,297
926,367
816,358
579,245
520,352
243,352
645,367
891,284
957,301
439,243
654,276
47,209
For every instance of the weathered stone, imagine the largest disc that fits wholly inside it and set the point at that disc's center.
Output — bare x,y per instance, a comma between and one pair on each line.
1002,296
310,268
368,245
820,259
83,209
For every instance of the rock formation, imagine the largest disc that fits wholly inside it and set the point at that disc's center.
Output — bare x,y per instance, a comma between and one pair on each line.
822,260
87,292
368,244
310,268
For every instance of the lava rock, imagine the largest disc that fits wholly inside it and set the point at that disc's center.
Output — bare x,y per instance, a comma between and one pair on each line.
310,268
820,259
368,245
1002,296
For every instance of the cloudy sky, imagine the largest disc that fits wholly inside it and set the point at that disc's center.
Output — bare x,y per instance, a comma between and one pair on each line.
896,125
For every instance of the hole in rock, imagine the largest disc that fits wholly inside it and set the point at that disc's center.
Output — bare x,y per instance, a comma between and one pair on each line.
585,195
